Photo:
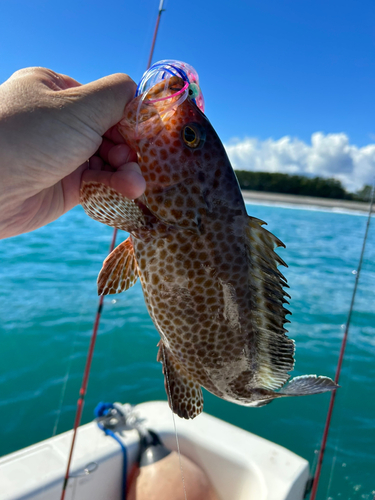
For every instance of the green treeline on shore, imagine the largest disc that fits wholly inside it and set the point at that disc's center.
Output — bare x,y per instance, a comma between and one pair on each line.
298,184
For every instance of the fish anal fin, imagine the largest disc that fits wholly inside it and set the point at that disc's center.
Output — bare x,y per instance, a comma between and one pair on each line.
308,384
184,394
119,271
104,204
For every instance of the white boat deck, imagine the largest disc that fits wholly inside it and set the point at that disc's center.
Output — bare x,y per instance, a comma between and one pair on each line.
240,465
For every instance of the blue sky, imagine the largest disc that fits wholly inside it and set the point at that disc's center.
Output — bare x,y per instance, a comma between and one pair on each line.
269,69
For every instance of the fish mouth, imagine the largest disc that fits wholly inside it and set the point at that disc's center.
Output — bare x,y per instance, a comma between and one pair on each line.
163,98
147,114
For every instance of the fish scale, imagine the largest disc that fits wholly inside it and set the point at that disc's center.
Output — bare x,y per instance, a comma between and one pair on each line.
208,271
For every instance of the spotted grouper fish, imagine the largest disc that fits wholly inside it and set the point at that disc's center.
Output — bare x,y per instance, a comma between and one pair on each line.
208,271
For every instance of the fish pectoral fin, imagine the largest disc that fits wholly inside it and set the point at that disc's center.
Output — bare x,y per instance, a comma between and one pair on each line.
185,396
108,206
308,384
119,271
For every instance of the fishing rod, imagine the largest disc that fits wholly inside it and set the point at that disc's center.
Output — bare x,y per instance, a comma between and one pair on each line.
341,357
161,10
85,380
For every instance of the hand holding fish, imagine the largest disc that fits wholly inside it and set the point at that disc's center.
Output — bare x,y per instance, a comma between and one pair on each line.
55,132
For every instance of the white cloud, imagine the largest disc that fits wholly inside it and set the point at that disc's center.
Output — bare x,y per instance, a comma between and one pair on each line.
328,155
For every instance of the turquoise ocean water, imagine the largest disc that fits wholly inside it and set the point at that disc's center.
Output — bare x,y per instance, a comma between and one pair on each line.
48,303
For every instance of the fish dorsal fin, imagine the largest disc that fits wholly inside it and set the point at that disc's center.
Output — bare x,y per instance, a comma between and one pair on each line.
275,350
119,271
184,394
106,205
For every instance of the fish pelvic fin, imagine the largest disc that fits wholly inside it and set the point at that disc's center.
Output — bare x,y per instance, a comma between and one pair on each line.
119,271
275,350
106,205
185,396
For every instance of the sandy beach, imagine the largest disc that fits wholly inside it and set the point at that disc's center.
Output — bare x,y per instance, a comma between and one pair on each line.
292,199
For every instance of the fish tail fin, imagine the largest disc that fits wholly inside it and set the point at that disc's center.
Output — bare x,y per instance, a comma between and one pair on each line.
308,384
304,385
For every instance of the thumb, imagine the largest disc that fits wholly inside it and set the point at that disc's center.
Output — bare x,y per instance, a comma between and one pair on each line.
102,102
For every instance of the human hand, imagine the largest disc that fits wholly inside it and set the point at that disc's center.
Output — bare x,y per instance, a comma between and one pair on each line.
50,125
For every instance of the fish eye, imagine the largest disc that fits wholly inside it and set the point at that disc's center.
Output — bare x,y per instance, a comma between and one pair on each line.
193,135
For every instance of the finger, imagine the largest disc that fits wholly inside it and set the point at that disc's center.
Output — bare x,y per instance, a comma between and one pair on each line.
96,163
104,149
121,154
57,81
47,77
114,135
69,82
128,181
104,100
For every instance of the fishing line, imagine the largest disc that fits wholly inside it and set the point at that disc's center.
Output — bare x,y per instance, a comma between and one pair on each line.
339,419
341,355
64,386
316,454
85,380
174,421
108,357
67,374
331,475
63,389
